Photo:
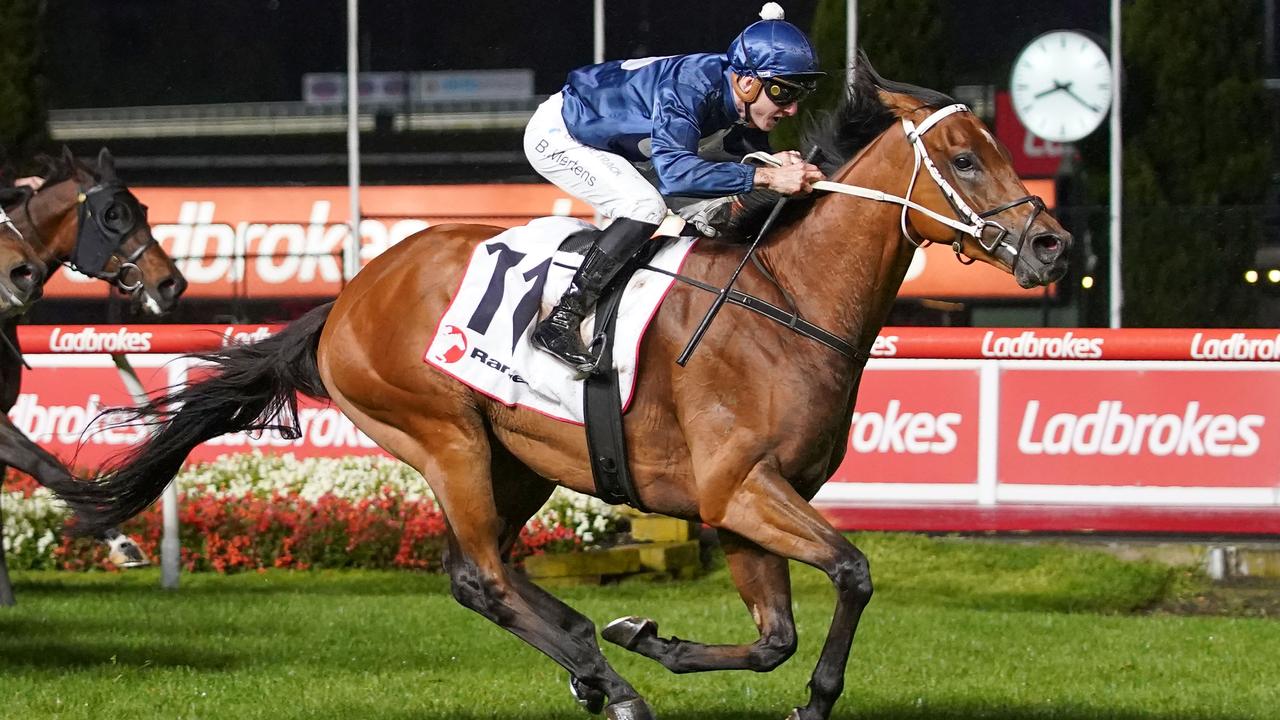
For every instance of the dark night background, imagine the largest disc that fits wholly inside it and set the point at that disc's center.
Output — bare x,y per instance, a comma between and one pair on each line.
1201,147
162,52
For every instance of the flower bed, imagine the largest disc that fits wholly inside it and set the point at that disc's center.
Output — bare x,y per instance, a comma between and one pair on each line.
251,511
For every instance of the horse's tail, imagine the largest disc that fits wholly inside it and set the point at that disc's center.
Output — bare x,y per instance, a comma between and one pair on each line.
248,387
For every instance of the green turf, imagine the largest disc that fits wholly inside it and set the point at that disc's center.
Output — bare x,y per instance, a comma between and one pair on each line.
956,630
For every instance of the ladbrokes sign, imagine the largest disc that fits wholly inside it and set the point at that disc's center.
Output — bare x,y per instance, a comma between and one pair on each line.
1150,428
1004,432
288,242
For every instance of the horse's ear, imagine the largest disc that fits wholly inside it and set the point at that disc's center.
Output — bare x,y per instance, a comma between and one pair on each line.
74,167
106,164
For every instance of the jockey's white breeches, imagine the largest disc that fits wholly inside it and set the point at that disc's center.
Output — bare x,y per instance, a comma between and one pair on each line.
605,180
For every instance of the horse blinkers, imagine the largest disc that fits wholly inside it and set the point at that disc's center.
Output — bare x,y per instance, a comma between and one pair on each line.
108,215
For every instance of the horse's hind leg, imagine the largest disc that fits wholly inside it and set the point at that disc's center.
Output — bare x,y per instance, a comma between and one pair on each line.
458,465
764,583
483,583
48,470
520,493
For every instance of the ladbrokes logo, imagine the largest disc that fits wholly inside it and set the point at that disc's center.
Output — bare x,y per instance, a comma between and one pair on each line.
69,424
885,346
231,336
1112,431
897,432
320,428
91,340
1028,346
1236,347
278,253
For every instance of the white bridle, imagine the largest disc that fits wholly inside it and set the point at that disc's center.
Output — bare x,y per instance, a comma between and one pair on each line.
976,223
6,220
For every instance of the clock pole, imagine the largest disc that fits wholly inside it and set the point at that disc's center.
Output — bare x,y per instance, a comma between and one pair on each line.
1115,287
850,38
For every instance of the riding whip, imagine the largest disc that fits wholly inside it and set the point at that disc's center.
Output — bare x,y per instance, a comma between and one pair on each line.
724,292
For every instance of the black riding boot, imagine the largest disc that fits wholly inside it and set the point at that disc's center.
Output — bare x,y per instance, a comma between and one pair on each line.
559,333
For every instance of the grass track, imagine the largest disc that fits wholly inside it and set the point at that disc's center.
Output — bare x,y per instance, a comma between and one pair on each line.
956,631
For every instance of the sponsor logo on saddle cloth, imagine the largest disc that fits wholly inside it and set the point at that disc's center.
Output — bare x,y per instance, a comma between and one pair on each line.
513,279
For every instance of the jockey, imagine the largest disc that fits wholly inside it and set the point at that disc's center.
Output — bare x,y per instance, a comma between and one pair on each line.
585,138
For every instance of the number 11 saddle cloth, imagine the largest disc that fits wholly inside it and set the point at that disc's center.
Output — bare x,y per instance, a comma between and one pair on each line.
513,279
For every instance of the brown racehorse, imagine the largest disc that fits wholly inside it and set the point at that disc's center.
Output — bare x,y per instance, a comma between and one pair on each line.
21,281
22,273
51,222
740,439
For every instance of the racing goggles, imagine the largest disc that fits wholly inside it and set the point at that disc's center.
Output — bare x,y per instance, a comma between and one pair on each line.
783,92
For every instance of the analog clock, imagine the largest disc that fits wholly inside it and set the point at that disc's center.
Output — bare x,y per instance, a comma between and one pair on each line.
1061,86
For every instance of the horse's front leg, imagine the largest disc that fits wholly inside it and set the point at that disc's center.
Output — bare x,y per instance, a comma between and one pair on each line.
765,509
6,587
763,582
16,449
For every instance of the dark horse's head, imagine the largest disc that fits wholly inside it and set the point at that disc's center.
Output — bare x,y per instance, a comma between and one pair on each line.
21,271
85,216
964,186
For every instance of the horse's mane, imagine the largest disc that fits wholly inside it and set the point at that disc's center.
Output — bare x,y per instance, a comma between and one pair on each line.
839,135
54,170
57,169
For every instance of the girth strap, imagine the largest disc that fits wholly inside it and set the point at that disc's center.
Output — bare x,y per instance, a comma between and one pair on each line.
602,410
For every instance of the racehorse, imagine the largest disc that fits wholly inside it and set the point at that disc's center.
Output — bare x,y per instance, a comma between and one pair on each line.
22,276
740,439
87,218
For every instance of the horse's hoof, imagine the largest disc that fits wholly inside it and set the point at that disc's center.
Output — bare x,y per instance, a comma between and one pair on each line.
591,699
795,714
126,554
635,709
627,631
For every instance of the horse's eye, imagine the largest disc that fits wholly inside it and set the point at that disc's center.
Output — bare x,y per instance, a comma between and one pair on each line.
964,162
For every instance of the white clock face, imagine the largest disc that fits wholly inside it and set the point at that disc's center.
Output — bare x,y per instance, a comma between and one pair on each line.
1061,86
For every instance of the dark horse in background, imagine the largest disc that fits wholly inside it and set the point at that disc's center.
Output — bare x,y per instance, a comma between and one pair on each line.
86,218
739,440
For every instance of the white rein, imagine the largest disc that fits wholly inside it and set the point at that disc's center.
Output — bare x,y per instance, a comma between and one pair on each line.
976,223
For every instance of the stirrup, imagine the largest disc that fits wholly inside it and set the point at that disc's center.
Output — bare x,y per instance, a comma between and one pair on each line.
557,342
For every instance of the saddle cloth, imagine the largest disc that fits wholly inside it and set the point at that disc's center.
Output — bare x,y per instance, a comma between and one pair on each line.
482,339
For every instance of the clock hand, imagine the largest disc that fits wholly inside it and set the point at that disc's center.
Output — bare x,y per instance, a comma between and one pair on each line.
1056,87
1078,99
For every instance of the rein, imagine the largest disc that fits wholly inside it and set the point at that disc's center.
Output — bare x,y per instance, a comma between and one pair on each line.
971,223
790,319
977,223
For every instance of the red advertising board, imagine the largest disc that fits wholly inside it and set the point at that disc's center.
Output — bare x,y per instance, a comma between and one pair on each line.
1001,434
267,242
62,398
1148,428
914,426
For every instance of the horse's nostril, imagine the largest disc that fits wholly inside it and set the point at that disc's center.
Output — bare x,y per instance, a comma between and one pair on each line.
26,277
1048,246
168,289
